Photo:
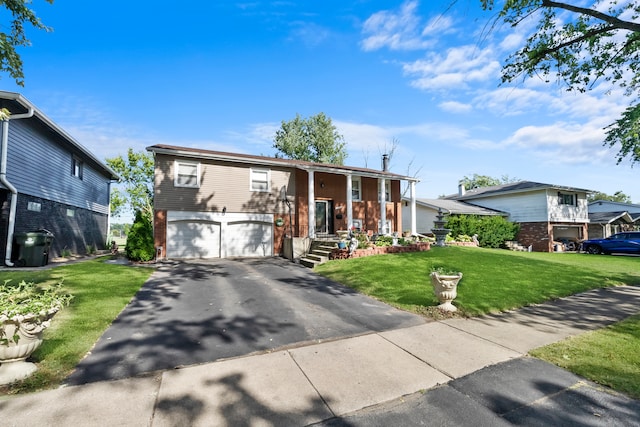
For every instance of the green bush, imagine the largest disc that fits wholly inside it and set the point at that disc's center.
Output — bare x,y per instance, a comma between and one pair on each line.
384,241
140,245
492,231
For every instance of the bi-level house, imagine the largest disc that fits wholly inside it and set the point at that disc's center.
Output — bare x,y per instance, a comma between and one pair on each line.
210,204
545,212
48,180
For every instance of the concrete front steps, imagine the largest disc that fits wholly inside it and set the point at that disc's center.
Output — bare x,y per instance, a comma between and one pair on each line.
515,246
319,251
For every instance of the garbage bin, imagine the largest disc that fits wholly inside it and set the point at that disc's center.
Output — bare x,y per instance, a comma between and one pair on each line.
33,248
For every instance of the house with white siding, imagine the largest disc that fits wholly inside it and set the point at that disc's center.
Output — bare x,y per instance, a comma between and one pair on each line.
545,212
48,180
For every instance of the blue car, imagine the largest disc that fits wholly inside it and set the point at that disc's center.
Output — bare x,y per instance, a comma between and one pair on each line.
627,242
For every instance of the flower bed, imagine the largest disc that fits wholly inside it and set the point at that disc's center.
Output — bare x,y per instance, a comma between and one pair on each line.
462,244
380,250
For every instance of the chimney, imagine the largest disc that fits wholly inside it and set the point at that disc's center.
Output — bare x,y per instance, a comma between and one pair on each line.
461,189
385,163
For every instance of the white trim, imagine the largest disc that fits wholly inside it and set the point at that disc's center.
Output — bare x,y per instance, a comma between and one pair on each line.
176,169
357,179
259,172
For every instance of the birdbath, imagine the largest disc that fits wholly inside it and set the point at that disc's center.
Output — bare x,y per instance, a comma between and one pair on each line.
439,230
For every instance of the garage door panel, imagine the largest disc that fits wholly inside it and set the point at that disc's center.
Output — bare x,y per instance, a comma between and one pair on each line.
248,239
193,239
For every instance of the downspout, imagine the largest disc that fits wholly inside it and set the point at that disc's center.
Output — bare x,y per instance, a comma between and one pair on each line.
3,179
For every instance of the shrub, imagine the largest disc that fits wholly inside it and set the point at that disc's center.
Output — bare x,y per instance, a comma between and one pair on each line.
384,241
140,245
492,231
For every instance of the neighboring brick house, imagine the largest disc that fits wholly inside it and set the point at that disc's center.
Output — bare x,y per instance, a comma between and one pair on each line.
210,204
49,180
545,212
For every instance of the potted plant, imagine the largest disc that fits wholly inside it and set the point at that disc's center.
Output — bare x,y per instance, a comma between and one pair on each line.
26,310
445,284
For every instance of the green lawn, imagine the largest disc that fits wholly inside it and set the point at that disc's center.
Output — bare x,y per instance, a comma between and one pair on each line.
609,356
100,293
493,280
498,280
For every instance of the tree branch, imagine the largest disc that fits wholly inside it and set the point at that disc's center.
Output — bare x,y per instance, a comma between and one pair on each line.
554,49
612,20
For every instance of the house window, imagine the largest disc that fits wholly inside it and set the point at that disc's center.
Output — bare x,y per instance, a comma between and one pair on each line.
260,179
76,167
71,213
187,174
567,199
387,191
387,228
34,206
356,188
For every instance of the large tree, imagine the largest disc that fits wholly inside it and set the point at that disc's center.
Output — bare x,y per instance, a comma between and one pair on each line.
479,181
14,36
314,139
581,46
618,196
136,177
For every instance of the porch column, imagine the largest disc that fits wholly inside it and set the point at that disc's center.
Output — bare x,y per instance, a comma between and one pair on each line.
312,205
349,202
383,208
412,192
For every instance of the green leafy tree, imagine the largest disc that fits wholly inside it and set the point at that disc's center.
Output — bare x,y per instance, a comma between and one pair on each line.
140,245
314,139
136,176
618,196
479,181
581,46
10,61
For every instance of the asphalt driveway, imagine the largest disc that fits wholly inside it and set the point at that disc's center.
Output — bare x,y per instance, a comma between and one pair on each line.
196,312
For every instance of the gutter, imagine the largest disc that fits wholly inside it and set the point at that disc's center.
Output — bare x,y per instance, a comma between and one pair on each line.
6,183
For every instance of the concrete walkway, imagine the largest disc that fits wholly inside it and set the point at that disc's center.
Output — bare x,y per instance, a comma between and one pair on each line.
451,372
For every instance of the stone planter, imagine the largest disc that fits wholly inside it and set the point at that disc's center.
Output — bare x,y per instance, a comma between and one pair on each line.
445,287
13,354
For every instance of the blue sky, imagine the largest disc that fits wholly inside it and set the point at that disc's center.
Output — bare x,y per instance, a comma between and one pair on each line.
223,75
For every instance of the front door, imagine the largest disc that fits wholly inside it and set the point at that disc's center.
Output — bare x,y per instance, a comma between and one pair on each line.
324,216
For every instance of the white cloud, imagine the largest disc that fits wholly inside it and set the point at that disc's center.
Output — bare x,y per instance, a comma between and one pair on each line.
396,30
458,67
563,143
511,101
455,107
438,26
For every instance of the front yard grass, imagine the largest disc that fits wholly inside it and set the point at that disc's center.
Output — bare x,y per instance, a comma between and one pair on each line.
100,291
493,280
498,280
609,356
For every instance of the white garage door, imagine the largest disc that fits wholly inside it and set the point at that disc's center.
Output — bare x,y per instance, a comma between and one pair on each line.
193,239
248,239
217,234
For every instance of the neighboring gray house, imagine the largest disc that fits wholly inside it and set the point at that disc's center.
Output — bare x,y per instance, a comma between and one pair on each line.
545,212
48,180
608,218
427,210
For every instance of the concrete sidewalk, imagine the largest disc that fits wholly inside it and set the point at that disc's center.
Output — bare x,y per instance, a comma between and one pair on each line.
475,370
